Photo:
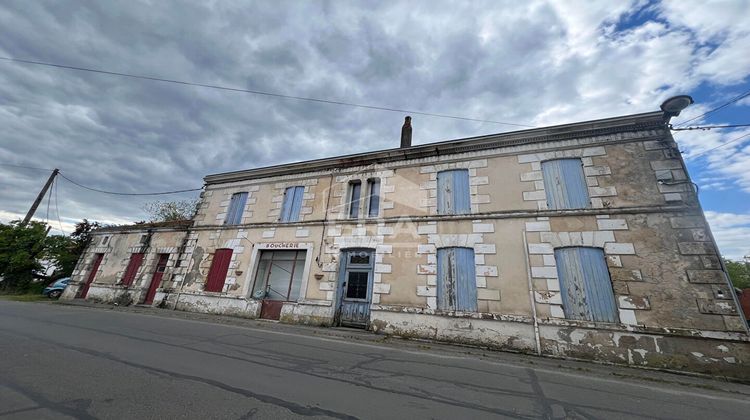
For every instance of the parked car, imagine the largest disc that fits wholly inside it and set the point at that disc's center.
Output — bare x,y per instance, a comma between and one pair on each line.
55,289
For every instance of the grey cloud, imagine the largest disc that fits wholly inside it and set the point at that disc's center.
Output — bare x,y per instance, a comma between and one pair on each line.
135,135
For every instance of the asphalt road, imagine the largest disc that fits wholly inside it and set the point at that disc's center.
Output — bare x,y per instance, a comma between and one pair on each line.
70,362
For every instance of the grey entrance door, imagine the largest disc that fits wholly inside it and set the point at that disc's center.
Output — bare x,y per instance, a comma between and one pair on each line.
355,287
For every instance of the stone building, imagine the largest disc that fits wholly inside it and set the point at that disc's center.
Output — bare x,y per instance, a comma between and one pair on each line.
582,240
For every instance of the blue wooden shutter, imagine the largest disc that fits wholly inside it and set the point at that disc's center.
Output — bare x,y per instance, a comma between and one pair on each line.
466,280
373,202
355,187
565,184
453,193
444,188
456,280
461,192
585,284
299,193
236,208
446,290
286,205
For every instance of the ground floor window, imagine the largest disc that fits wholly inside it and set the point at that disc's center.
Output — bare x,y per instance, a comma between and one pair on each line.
279,275
585,284
456,280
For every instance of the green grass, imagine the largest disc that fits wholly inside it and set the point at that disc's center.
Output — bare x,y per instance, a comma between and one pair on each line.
25,298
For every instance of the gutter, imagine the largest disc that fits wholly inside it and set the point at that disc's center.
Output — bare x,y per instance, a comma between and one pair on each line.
537,339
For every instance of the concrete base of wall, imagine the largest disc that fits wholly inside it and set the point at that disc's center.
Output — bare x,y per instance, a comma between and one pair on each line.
505,335
106,293
722,357
218,304
307,313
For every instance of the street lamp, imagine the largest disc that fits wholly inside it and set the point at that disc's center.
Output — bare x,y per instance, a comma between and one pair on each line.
674,105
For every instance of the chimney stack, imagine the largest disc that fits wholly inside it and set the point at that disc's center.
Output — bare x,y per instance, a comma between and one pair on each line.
406,133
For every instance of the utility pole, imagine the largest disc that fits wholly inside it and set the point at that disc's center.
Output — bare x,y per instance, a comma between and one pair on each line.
40,197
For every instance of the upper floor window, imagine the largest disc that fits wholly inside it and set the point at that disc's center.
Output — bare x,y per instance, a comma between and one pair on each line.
456,280
565,184
105,240
292,204
236,208
355,189
373,197
453,193
585,285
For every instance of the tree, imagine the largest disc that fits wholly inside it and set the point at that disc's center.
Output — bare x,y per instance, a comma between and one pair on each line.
21,248
65,251
169,211
739,273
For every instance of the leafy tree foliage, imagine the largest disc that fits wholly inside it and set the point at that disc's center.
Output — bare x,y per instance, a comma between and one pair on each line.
24,247
21,246
739,273
170,211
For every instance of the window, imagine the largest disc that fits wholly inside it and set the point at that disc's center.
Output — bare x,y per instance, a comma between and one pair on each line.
373,197
453,192
280,275
236,208
217,274
105,240
357,285
565,184
136,259
292,204
456,280
355,188
585,284
143,239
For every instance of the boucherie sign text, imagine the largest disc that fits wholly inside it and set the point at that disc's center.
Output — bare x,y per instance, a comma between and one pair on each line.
282,245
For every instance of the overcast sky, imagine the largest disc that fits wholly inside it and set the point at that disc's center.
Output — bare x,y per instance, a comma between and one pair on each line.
535,63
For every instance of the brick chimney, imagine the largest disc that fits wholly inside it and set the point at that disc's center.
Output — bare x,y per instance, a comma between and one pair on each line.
406,133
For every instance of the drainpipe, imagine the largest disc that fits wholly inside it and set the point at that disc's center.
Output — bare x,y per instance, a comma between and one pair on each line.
179,259
325,221
531,296
723,266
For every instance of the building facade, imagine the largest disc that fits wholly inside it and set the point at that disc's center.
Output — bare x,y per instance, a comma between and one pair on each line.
584,240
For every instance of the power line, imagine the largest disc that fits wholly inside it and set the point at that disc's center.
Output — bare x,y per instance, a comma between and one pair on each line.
707,127
130,194
57,209
721,145
259,92
49,200
26,167
730,102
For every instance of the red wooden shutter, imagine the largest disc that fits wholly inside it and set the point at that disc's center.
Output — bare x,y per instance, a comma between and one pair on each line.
218,271
135,263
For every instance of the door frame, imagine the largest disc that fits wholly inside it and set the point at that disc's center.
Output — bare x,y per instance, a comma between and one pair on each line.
341,279
247,288
151,285
95,264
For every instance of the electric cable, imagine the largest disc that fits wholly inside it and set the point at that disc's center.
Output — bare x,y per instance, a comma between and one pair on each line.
49,200
25,167
726,104
57,209
707,127
122,193
721,145
258,92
